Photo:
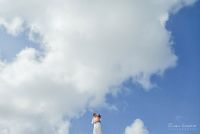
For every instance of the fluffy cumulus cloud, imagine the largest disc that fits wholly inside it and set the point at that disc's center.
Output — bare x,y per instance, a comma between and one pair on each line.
137,127
89,49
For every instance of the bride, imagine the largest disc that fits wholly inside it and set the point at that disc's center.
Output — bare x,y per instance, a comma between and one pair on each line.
96,121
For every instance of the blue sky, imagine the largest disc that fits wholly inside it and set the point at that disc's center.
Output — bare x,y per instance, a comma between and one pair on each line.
11,45
175,99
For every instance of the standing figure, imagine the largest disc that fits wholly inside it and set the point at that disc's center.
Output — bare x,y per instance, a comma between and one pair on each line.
96,121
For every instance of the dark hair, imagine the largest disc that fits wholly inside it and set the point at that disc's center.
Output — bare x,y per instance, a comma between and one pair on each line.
99,115
94,114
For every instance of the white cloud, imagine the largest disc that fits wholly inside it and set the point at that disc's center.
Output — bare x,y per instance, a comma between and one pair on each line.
89,48
137,127
12,27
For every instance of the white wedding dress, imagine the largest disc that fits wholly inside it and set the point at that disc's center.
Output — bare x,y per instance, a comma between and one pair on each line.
97,128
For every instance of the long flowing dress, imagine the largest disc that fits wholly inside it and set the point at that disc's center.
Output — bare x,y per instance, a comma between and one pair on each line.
97,128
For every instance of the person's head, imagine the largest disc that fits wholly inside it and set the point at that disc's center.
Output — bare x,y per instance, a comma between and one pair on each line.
96,117
99,116
94,114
